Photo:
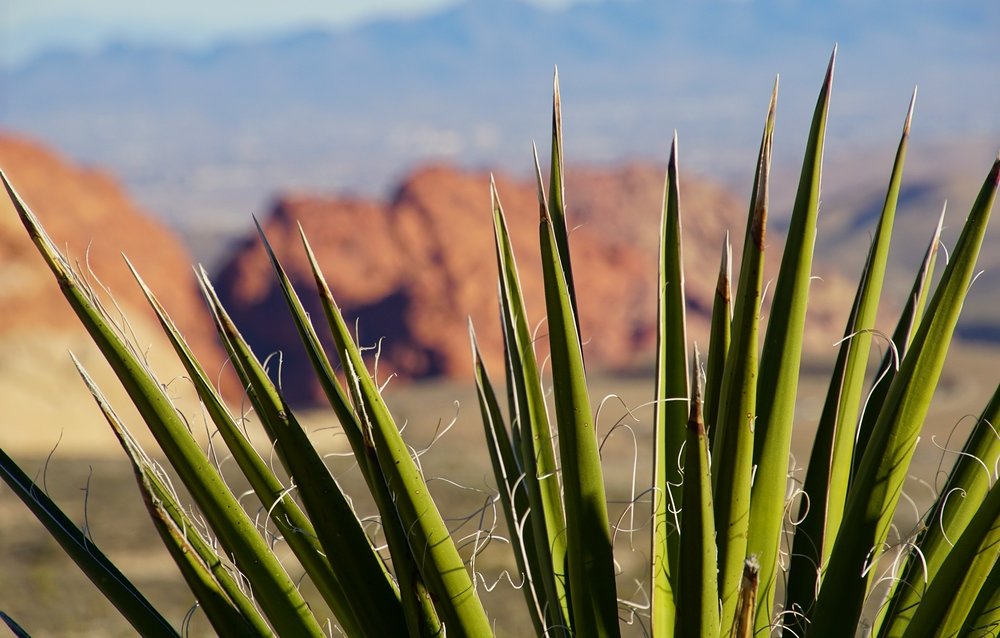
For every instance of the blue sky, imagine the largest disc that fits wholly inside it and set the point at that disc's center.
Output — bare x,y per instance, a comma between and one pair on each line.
33,26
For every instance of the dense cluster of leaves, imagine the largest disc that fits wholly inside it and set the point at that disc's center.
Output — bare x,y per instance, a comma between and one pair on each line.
721,517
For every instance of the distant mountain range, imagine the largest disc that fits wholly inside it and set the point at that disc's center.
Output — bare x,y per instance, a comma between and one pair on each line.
204,138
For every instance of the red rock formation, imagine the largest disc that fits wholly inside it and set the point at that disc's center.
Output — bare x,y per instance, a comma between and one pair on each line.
411,271
86,212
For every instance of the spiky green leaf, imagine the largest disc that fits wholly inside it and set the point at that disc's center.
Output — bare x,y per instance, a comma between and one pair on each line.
719,337
874,495
228,609
588,536
732,441
829,469
511,488
698,599
909,319
274,590
779,364
950,596
545,515
417,609
670,409
337,527
292,523
438,560
958,502
115,586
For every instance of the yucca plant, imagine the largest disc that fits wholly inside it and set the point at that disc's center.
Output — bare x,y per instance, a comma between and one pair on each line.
731,553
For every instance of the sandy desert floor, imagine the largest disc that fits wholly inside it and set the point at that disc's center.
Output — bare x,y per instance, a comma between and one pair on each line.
87,475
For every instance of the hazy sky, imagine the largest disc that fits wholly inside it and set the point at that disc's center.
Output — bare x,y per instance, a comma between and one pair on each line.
32,26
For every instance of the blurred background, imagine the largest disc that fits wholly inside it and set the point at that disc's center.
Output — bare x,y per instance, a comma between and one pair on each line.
158,129
204,110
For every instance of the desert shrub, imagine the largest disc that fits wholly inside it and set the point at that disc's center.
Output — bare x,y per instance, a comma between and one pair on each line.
730,552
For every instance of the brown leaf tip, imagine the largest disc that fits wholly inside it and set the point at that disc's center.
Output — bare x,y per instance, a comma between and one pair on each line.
772,105
723,286
758,229
696,421
909,113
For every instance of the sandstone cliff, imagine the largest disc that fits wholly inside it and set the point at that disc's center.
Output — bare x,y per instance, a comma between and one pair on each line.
410,271
87,213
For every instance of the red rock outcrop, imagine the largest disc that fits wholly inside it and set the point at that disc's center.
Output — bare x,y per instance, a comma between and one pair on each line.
87,214
86,211
411,271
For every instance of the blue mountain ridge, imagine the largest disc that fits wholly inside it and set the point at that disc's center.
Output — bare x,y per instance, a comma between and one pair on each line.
202,137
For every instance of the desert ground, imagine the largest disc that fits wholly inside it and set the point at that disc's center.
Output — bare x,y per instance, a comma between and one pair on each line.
87,475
